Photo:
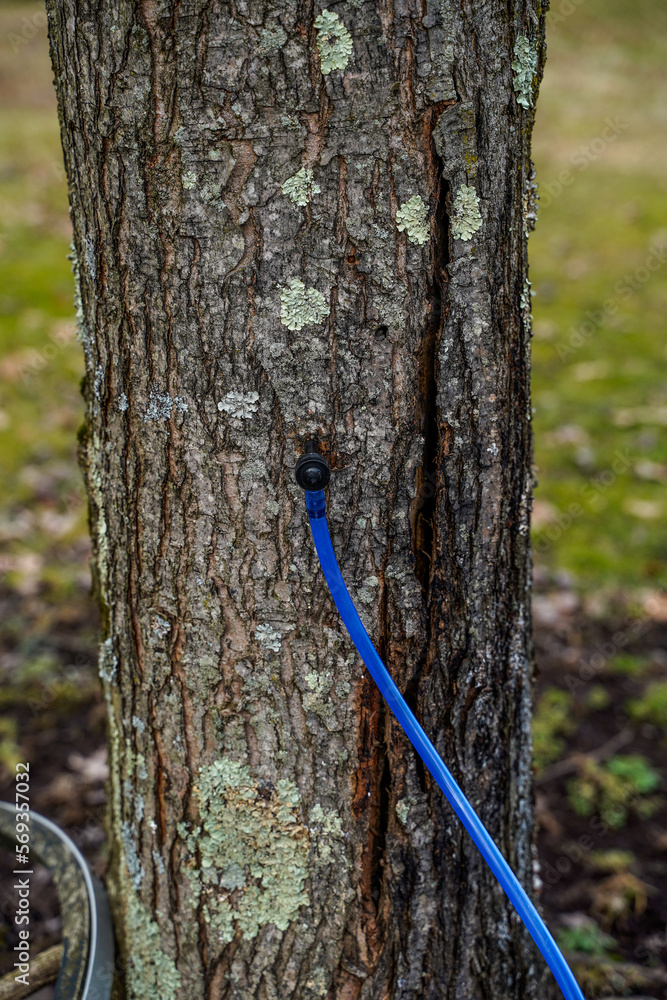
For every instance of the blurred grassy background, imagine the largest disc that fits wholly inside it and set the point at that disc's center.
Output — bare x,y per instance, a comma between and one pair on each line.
42,513
47,620
599,274
598,261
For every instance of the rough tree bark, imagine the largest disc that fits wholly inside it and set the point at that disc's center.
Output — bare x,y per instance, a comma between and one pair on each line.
294,221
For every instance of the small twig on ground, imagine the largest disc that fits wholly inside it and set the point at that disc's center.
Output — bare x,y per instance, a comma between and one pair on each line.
44,969
647,976
573,763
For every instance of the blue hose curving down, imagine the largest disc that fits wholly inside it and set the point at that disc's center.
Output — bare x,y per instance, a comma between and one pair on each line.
316,506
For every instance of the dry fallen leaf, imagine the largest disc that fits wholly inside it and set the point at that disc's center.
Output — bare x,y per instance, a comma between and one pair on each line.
94,768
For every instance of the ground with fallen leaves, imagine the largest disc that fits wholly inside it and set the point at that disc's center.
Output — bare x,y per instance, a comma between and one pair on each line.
603,858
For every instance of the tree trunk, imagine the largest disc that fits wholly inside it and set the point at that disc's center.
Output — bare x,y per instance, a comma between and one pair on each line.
288,223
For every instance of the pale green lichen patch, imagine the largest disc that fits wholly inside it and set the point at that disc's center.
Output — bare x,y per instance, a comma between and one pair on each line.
189,180
316,698
253,851
402,810
272,37
328,829
301,306
334,42
466,218
240,405
269,637
524,66
525,296
151,974
412,219
301,187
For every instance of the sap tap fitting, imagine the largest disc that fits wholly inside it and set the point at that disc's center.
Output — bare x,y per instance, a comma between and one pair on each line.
312,470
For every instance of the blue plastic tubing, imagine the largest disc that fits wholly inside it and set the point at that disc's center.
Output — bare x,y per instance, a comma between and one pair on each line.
318,523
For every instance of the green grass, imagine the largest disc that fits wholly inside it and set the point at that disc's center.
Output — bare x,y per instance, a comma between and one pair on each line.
41,509
615,788
600,448
553,719
652,706
588,938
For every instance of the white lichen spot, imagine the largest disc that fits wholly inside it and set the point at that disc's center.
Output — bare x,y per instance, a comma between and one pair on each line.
91,257
139,806
526,295
98,382
412,218
160,405
151,973
268,637
530,200
466,218
132,861
253,850
122,402
158,862
525,303
301,306
108,662
160,626
138,723
334,42
189,180
524,66
300,188
240,405
270,38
